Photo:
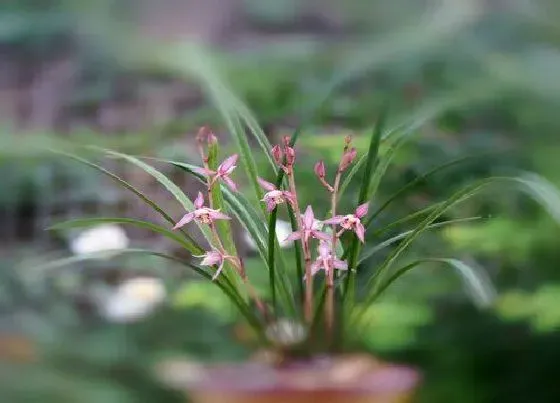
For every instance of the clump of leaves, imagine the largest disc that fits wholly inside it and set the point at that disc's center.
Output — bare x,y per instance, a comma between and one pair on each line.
299,315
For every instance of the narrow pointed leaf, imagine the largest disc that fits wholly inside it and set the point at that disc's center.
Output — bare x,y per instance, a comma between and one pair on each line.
388,242
91,222
132,189
167,183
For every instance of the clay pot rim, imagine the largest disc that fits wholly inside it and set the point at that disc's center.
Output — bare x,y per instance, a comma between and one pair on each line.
303,376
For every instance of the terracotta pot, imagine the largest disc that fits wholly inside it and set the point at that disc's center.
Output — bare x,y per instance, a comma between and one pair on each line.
356,379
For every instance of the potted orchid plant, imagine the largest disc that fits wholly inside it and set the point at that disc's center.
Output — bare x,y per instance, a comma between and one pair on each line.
305,328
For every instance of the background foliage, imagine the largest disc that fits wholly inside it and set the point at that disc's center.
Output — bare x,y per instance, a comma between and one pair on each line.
480,77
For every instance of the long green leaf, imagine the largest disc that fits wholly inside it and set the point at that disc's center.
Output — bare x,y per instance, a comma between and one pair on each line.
371,163
179,195
481,289
475,281
90,222
535,186
222,282
194,247
388,242
457,197
415,182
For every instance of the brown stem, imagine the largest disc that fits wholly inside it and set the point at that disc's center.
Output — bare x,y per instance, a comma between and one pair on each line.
308,299
329,306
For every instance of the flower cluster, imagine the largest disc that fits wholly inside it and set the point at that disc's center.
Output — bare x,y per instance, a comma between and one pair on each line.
308,230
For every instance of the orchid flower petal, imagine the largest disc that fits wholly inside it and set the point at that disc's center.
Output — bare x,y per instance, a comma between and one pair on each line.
204,171
315,267
269,187
360,231
293,236
320,235
229,163
217,215
199,201
308,217
230,183
270,205
334,220
340,264
185,220
361,210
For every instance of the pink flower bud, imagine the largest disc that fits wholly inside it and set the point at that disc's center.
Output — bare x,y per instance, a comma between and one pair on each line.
348,158
290,155
277,154
320,169
286,140
206,135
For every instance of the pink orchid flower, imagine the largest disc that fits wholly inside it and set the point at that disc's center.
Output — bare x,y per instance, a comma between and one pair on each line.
352,221
273,197
225,169
327,260
213,258
308,229
201,214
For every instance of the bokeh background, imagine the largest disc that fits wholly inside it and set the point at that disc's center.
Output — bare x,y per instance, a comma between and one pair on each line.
473,77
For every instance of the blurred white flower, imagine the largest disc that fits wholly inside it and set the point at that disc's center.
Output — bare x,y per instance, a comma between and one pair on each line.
134,299
283,229
104,237
286,332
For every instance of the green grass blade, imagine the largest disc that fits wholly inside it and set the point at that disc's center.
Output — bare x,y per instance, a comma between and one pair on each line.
90,222
138,193
388,242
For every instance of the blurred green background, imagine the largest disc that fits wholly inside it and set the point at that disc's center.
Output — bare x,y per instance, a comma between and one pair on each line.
475,78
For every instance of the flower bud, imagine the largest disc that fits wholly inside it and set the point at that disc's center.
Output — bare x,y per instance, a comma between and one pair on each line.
277,154
347,159
347,140
320,169
206,135
290,155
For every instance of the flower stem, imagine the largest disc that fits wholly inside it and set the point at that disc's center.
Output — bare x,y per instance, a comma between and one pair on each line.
308,299
236,261
329,306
